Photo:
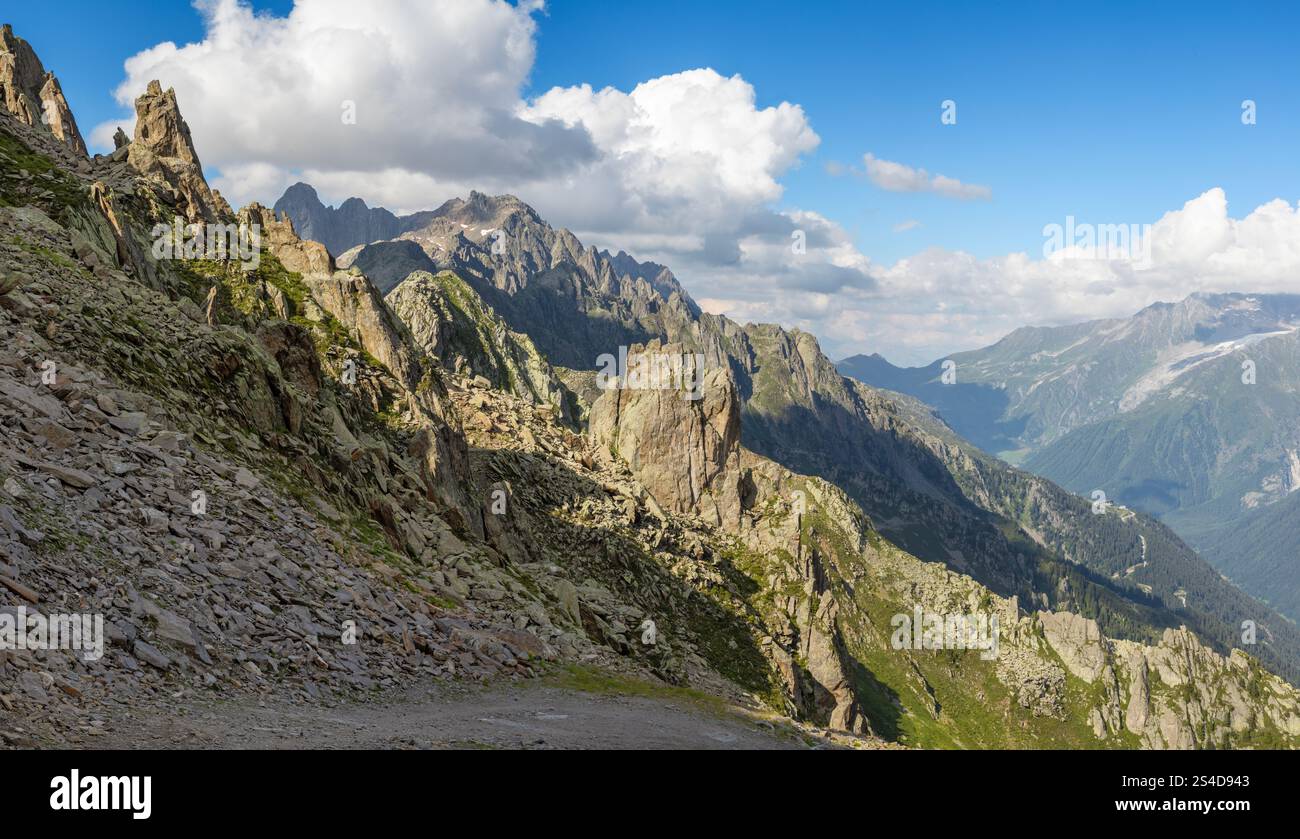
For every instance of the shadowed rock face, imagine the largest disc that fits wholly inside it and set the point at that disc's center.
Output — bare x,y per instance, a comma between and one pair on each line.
33,95
163,151
338,229
387,264
357,305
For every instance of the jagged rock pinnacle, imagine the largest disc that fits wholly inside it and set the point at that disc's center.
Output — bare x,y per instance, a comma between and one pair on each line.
33,95
163,150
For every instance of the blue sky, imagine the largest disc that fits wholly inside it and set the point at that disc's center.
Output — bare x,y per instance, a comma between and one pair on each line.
1122,112
1108,111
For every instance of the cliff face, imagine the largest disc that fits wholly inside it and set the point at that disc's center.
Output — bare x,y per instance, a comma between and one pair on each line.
681,441
682,445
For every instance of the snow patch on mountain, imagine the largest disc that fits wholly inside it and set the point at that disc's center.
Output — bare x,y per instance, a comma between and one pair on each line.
1182,358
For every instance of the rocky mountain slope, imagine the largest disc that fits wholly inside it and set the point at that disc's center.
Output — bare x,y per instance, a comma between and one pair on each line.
574,302
448,320
927,490
263,483
272,489
1185,411
822,577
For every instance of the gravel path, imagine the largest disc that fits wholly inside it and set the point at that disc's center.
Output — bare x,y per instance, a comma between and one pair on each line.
515,716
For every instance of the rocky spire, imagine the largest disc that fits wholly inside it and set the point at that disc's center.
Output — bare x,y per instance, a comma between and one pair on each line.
163,151
33,95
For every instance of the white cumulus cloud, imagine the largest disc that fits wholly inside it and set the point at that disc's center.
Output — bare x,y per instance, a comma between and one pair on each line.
685,168
939,301
428,87
692,142
899,177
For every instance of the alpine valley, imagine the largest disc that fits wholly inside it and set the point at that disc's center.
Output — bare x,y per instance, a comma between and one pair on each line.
1186,412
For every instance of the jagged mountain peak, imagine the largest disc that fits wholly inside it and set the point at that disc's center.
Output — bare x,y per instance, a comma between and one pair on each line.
301,191
502,245
481,213
33,95
164,129
340,228
486,210
475,217
625,263
163,150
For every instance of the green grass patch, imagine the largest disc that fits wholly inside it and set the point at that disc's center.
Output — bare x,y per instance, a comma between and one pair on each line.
602,682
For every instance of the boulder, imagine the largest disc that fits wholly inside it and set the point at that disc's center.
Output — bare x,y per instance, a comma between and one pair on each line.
1078,642
683,444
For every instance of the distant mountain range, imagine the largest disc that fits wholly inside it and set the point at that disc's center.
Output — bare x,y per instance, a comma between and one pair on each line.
1189,411
352,223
